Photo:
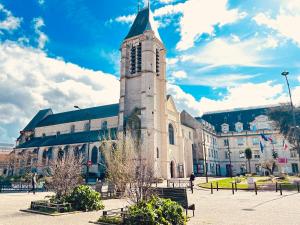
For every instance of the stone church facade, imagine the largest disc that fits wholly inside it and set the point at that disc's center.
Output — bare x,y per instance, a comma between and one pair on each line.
173,140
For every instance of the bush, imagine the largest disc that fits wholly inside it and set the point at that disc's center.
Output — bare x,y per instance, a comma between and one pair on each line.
85,199
111,220
156,211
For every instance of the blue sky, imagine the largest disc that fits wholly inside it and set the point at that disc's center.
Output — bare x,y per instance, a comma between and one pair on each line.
221,54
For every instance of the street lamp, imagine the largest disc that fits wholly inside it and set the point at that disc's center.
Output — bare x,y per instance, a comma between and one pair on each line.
285,74
88,153
205,158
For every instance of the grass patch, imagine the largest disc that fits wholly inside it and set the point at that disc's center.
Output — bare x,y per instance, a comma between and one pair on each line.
242,184
226,183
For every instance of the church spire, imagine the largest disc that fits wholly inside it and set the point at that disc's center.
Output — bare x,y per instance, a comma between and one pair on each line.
143,22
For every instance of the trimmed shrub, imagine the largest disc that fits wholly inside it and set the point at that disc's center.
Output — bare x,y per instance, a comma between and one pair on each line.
85,198
156,211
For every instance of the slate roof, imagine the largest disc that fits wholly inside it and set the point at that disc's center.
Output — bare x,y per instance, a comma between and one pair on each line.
143,22
244,116
80,115
70,138
42,114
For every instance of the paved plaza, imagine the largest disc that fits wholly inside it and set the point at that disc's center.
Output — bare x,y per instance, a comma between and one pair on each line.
220,208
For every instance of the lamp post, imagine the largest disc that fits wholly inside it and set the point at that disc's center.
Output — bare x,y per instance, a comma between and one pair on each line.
205,160
285,74
88,153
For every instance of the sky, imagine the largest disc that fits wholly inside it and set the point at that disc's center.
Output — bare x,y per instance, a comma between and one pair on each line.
221,54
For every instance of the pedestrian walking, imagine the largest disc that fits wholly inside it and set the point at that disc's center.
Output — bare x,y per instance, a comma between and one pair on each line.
192,178
33,183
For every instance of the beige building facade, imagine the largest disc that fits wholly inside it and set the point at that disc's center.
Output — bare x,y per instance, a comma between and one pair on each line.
175,142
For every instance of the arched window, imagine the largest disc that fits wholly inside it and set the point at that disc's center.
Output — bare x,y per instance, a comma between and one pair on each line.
77,152
60,154
171,135
94,155
50,153
72,130
44,157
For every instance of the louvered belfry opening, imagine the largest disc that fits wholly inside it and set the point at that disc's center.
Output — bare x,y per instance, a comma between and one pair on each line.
157,62
136,59
133,60
139,57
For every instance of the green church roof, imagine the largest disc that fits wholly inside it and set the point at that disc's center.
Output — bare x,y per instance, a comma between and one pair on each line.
70,138
80,115
42,114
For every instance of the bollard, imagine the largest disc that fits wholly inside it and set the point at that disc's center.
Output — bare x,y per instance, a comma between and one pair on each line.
217,186
276,186
235,187
211,188
156,183
280,188
179,183
255,188
298,187
168,185
173,184
232,188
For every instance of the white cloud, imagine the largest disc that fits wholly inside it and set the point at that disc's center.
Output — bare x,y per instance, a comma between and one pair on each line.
200,16
220,80
179,74
221,52
169,10
30,81
244,95
38,23
126,19
166,1
183,100
285,23
10,22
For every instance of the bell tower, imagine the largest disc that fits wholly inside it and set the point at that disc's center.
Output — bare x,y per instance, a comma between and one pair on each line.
143,87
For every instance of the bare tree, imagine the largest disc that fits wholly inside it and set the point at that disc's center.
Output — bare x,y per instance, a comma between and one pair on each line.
65,173
128,168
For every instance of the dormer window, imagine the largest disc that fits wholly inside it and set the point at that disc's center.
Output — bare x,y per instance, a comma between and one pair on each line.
225,128
239,127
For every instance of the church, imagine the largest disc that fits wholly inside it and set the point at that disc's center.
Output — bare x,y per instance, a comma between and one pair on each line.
176,142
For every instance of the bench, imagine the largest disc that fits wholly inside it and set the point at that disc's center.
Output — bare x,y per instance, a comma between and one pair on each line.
44,204
179,183
178,195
